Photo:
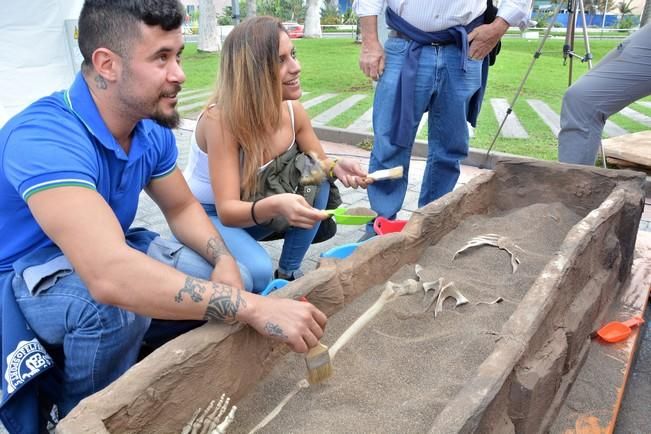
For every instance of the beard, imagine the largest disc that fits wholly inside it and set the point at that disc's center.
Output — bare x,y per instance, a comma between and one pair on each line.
171,121
148,108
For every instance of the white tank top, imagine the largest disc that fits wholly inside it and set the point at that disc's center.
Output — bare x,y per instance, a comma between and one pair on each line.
197,173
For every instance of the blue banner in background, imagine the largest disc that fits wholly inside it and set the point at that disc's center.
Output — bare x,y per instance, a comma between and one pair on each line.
592,20
344,5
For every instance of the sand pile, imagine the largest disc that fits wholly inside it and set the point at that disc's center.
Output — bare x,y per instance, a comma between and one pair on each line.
402,369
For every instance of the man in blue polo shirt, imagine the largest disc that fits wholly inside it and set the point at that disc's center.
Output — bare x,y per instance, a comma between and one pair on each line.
72,166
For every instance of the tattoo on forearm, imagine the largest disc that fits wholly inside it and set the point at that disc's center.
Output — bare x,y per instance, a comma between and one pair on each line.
274,330
100,82
194,288
215,249
224,303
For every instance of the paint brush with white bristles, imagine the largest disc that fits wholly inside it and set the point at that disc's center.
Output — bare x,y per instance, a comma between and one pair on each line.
393,173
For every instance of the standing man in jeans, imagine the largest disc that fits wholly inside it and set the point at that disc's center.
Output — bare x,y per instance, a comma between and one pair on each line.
79,288
434,60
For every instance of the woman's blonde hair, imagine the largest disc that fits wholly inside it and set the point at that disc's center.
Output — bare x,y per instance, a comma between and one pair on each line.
249,92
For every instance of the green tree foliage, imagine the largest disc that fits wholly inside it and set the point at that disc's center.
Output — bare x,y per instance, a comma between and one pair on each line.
625,7
286,10
330,14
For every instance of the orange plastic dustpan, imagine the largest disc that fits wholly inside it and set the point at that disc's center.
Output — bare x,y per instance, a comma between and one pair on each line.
617,331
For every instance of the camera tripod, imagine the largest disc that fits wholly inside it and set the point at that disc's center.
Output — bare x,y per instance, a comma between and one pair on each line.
573,6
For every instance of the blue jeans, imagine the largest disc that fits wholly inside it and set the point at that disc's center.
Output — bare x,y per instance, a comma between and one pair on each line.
242,242
443,89
98,342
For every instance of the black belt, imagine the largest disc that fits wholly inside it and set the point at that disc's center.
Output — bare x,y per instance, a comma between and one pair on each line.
396,34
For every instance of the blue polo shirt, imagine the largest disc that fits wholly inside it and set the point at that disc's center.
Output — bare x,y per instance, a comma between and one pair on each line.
61,140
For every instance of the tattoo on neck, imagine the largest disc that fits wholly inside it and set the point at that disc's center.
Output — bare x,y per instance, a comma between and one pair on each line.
274,330
215,249
100,82
224,303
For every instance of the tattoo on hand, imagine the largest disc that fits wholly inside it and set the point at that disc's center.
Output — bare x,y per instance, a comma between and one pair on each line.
100,82
215,249
274,330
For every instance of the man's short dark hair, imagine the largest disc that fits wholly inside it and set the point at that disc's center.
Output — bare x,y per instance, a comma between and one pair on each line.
114,24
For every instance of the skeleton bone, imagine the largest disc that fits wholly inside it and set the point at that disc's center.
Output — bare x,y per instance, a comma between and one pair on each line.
391,292
495,240
497,300
303,384
419,270
449,291
208,421
438,287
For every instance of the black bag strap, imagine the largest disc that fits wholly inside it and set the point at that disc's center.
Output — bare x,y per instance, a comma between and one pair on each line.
489,17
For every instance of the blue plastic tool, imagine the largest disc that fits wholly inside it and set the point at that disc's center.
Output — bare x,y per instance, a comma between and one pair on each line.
274,285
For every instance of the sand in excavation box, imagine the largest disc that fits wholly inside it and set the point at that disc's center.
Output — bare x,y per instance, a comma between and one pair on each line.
552,242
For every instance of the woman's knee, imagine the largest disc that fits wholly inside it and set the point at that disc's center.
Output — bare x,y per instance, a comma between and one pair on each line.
261,271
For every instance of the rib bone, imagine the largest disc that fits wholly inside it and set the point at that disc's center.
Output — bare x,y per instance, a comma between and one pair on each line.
495,240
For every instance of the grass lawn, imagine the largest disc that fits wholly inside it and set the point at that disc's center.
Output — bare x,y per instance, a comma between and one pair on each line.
331,65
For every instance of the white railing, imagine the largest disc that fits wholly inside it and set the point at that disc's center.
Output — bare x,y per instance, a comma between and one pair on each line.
556,32
339,30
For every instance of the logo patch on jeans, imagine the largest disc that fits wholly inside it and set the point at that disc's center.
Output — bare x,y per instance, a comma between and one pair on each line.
27,360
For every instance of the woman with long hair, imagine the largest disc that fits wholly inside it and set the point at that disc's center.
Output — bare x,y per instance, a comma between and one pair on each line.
253,148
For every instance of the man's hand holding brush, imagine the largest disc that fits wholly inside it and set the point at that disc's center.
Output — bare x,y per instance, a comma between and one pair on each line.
299,325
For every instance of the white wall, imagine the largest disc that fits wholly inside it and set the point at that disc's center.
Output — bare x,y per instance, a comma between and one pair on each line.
34,55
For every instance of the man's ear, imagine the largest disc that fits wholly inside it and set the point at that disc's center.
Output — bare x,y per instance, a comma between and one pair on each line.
107,64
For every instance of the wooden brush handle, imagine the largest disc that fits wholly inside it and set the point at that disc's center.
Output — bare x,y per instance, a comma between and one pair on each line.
387,295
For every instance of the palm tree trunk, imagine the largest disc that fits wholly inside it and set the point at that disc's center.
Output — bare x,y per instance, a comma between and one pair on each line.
251,8
312,27
209,40
646,13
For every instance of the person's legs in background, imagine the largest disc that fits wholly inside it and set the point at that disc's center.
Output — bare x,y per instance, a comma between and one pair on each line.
622,77
447,123
386,197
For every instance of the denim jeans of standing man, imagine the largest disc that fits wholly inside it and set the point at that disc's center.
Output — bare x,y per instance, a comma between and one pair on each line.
444,89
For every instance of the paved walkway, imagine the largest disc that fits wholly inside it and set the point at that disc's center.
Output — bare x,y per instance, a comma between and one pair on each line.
191,102
150,216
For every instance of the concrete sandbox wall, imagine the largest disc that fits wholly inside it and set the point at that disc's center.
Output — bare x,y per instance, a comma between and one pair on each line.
520,385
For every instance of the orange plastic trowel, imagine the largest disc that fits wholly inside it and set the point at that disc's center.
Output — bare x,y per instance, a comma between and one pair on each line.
617,331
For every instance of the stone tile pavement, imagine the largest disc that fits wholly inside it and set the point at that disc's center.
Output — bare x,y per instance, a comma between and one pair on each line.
149,215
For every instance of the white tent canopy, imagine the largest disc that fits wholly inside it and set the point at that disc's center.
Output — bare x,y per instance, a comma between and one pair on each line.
35,57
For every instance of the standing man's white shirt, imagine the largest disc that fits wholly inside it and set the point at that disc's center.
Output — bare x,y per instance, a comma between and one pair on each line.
433,15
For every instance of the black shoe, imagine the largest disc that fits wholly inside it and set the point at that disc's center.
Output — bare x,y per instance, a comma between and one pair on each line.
289,277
